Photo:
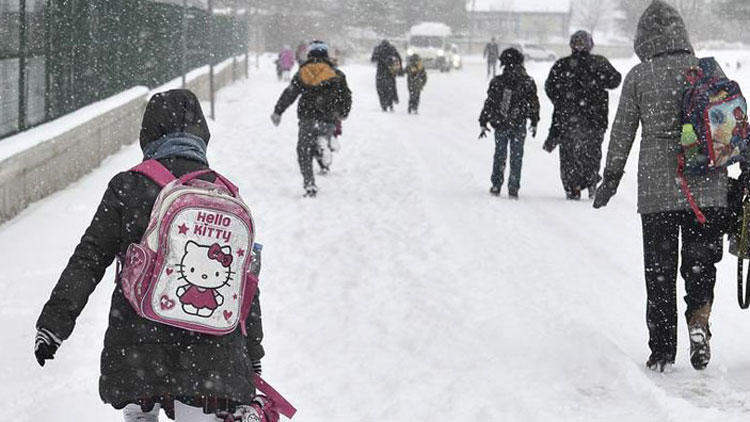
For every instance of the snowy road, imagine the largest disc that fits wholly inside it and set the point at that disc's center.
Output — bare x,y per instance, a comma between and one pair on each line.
404,292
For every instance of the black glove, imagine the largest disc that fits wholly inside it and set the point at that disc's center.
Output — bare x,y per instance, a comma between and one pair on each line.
533,131
483,133
607,189
46,345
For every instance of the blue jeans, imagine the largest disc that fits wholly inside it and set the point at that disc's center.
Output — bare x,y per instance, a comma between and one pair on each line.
515,137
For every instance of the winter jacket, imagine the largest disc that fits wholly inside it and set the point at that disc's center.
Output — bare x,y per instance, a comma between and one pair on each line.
577,86
491,51
652,96
385,55
511,99
323,91
416,76
143,359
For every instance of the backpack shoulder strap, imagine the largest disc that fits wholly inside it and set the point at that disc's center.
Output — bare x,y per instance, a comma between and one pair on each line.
155,171
710,67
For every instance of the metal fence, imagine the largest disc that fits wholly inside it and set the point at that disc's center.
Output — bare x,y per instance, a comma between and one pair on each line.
59,55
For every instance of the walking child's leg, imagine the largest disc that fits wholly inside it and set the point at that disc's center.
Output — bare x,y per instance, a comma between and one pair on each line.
501,154
305,151
517,140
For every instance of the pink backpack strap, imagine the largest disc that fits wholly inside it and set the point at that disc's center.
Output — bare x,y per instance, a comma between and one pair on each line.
279,403
155,171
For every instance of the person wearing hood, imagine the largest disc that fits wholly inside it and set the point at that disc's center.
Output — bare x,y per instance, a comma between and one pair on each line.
511,100
389,66
416,79
491,53
146,365
324,100
652,96
577,86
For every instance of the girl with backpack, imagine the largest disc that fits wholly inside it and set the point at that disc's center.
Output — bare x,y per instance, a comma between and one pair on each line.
652,95
146,365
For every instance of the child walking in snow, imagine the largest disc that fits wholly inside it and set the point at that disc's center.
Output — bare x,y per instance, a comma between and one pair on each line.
146,365
416,79
511,100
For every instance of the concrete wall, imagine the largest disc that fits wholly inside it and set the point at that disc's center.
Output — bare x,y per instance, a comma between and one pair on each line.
70,150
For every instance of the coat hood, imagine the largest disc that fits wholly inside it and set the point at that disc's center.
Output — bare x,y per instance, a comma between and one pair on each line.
178,110
661,30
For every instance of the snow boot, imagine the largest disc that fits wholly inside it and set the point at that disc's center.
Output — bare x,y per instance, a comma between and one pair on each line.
700,349
495,190
311,191
658,362
573,195
512,193
325,155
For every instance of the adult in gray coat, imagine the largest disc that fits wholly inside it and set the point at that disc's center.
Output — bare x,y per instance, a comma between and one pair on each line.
652,94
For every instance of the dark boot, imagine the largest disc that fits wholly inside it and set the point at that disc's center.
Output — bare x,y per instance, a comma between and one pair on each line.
700,349
495,190
658,362
513,193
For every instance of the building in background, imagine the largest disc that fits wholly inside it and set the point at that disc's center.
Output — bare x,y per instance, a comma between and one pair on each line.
513,21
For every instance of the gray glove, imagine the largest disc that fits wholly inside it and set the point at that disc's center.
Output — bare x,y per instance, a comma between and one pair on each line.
276,119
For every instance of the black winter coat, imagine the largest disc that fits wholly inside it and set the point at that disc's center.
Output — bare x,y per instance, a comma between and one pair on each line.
511,99
384,55
577,86
141,359
323,91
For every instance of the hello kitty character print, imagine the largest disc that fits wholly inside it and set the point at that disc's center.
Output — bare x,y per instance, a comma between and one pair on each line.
205,269
192,267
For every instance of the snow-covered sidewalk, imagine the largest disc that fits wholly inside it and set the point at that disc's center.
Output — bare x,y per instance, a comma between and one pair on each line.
404,292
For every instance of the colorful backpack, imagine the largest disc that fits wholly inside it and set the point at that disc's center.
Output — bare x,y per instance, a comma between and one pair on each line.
714,125
191,269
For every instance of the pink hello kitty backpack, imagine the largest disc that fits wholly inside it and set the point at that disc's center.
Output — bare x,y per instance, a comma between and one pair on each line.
191,269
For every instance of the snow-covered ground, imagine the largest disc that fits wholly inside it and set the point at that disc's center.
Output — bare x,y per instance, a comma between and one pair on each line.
404,292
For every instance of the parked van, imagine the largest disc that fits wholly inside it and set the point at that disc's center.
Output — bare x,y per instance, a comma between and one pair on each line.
431,41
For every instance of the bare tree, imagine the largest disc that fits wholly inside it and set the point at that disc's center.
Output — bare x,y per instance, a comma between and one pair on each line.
592,14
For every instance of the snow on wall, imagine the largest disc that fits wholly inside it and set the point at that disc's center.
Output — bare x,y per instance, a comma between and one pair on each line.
436,29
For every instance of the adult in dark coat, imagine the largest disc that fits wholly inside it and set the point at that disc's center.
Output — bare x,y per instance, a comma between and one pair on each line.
511,101
577,86
492,54
143,362
324,100
389,66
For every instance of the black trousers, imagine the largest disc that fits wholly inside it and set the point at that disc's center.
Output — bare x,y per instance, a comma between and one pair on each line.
701,250
580,158
414,94
307,147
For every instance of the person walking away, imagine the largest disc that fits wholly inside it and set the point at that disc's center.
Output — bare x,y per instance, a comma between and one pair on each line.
577,86
301,52
388,67
286,62
147,365
416,79
652,95
325,98
511,101
491,53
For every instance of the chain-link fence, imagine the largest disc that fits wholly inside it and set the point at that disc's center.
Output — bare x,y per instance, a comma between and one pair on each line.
59,55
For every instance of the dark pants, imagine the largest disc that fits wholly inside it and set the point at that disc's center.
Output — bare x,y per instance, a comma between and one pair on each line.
414,94
580,158
491,67
503,138
307,148
386,87
701,249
